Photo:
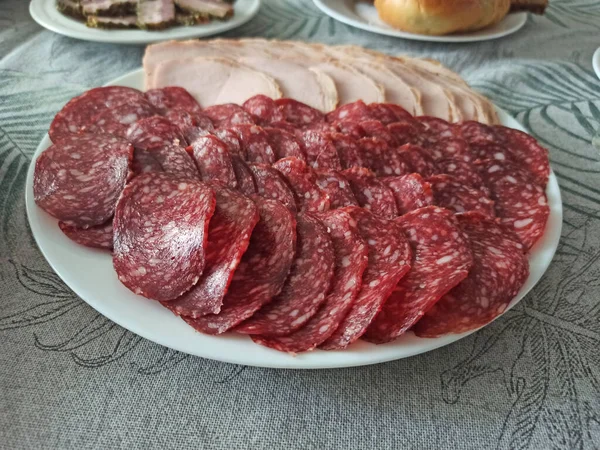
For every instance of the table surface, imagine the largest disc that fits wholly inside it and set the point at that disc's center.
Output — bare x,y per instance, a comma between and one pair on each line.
69,378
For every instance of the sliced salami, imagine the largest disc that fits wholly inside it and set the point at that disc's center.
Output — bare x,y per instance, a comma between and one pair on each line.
286,126
230,138
80,111
411,192
166,98
436,128
320,150
451,193
228,115
337,187
229,234
263,110
371,193
350,128
407,133
271,184
473,132
298,300
99,236
243,176
351,257
464,172
262,272
169,158
298,114
284,144
418,159
160,230
500,268
388,113
144,162
117,120
356,111
303,181
254,143
381,159
348,151
449,148
79,179
192,125
213,160
375,129
441,260
154,131
490,150
389,259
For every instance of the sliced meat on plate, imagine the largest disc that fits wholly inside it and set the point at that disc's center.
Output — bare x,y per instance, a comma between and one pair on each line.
263,110
284,144
383,160
371,193
356,112
170,97
297,113
320,150
337,187
228,114
154,131
451,193
116,120
348,151
464,172
169,158
418,159
155,14
303,182
99,236
254,143
407,133
218,9
213,160
191,124
243,176
410,191
272,185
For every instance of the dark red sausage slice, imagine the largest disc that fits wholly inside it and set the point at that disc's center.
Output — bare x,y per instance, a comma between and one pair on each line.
284,144
449,148
192,125
154,131
79,179
418,159
450,193
375,129
490,150
464,172
254,143
164,99
407,133
388,113
356,111
262,271
243,175
229,233
263,110
351,257
271,184
473,132
303,181
350,128
320,150
228,115
389,257
371,193
500,268
436,128
118,119
298,114
299,299
348,151
213,160
99,236
230,138
383,160
337,187
441,260
160,230
169,158
410,191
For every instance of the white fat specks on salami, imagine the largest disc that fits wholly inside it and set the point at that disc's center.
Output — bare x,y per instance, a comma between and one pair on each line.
272,185
230,138
356,111
263,110
351,257
348,151
299,300
388,113
254,143
286,126
262,271
464,172
80,111
303,181
243,176
117,120
375,129
474,132
79,179
284,144
160,230
389,257
167,98
449,148
154,131
99,236
407,133
320,151
490,150
349,128
213,160
450,193
337,187
228,115
418,159
229,234
192,124
169,158
411,192
500,268
371,193
521,204
441,259
383,160
297,113
436,129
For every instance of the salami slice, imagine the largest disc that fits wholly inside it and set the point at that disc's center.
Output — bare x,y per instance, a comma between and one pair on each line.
243,176
418,159
228,115
80,111
371,193
213,160
99,236
388,113
449,148
229,233
356,111
436,128
166,98
521,204
79,179
410,191
337,187
230,138
263,110
450,193
298,300
254,143
351,257
348,151
144,162
154,131
473,132
160,230
441,260
375,129
303,181
500,268
284,144
320,150
117,120
262,272
169,158
389,259
464,172
407,133
271,184
298,114
286,126
350,128
381,159
490,150
192,125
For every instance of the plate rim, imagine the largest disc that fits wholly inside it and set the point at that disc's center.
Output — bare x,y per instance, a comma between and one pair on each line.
324,6
596,62
356,355
39,15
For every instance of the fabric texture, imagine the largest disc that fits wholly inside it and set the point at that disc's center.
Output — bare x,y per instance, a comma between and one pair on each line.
72,379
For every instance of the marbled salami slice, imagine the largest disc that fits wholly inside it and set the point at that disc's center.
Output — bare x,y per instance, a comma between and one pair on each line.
389,259
262,272
213,160
418,159
451,193
351,257
154,131
160,230
337,187
473,132
271,184
263,110
375,129
383,160
229,234
254,143
228,115
284,144
388,113
350,128
436,128
449,148
441,260
303,181
99,236
243,176
192,125
230,138
297,113
407,133
117,120
490,150
169,158
298,300
166,98
411,192
79,179
464,172
356,111
348,151
500,268
371,193
320,150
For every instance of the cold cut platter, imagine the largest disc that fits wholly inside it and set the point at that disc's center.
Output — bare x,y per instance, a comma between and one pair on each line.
297,240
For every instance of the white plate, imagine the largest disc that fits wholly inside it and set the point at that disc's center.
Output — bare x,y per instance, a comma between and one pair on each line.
596,62
89,273
362,14
45,13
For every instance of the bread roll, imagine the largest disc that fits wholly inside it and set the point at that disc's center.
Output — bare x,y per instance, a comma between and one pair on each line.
438,17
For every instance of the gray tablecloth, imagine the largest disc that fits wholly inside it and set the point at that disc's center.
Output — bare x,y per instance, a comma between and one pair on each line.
69,378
